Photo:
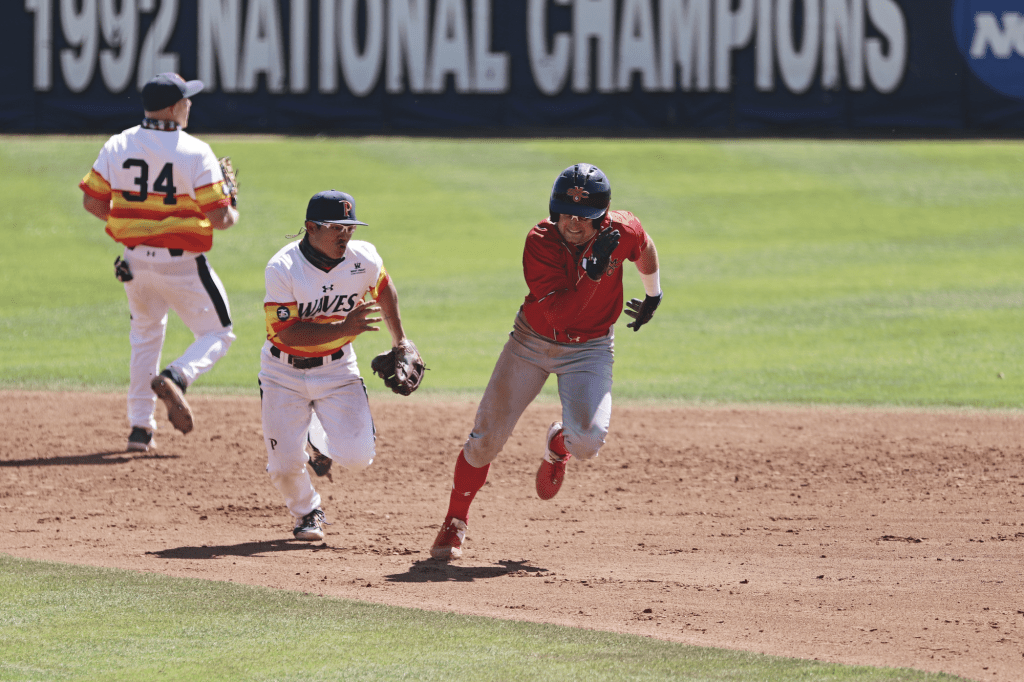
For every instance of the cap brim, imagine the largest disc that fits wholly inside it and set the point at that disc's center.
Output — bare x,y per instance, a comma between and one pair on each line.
192,88
341,222
577,209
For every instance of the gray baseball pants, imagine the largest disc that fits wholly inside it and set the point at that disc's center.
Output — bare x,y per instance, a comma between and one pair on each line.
584,372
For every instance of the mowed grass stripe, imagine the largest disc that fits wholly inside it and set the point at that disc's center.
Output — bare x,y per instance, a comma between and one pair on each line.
794,271
72,623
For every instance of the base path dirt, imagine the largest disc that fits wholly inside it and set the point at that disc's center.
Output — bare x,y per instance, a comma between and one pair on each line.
873,537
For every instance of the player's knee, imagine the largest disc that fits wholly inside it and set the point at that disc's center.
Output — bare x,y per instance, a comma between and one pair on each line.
285,457
586,443
480,450
282,469
141,332
225,336
356,455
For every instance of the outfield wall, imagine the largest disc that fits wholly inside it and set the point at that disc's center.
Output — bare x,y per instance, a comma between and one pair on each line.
666,67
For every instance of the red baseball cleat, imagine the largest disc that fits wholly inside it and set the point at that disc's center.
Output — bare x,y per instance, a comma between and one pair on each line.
551,473
448,543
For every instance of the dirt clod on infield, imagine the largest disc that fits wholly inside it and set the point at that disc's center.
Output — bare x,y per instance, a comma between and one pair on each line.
861,536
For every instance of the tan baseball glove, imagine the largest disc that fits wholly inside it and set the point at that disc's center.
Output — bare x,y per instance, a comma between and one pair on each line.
230,178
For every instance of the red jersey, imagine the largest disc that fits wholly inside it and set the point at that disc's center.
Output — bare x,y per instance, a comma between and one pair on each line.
564,304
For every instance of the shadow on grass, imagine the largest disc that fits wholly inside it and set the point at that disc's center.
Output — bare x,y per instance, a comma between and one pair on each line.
435,571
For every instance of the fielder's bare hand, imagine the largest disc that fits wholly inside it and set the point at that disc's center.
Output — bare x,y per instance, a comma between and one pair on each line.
360,320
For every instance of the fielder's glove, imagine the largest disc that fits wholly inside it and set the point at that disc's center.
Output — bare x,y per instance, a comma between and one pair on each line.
401,368
121,270
642,311
600,254
230,178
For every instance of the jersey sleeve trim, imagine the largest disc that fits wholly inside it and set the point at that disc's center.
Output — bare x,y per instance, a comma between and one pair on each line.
280,316
382,282
212,196
95,185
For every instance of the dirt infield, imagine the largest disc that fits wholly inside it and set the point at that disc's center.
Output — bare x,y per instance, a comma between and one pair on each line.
889,538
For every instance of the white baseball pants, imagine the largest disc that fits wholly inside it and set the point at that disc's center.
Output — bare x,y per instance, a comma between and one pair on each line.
187,285
292,401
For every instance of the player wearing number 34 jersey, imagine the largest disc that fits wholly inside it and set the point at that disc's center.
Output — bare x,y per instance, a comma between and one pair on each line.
161,193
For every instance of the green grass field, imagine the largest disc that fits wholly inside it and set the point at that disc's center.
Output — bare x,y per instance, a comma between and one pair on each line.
800,272
134,626
865,273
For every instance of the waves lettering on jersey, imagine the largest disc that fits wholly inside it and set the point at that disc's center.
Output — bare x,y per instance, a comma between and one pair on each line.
328,305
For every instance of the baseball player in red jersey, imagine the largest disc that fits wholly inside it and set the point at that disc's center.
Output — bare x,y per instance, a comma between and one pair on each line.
573,268
161,193
322,292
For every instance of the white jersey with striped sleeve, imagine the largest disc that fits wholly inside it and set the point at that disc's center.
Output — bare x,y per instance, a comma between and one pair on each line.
161,184
298,290
315,393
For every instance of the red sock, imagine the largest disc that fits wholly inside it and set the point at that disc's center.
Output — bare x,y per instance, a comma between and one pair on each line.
468,481
557,444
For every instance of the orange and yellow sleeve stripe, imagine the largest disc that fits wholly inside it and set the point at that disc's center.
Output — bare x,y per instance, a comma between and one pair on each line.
178,223
382,282
275,311
95,185
280,316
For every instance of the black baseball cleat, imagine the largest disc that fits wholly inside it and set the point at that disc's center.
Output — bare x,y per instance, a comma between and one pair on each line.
310,526
319,462
140,440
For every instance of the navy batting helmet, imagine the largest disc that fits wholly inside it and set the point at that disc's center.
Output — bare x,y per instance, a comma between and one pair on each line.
581,190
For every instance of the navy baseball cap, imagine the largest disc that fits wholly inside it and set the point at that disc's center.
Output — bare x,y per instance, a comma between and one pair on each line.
166,89
332,206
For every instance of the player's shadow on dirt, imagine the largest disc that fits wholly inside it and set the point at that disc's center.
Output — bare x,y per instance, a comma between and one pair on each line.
117,457
432,571
243,549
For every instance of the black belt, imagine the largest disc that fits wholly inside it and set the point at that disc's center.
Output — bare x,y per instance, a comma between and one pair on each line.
173,252
305,363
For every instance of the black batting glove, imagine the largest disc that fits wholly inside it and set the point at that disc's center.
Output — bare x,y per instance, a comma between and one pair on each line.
642,311
600,254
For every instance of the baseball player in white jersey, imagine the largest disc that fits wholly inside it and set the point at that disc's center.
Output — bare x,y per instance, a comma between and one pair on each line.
322,292
161,193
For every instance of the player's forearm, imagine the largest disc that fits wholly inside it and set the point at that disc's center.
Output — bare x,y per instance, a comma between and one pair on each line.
303,334
222,218
388,301
97,207
647,265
